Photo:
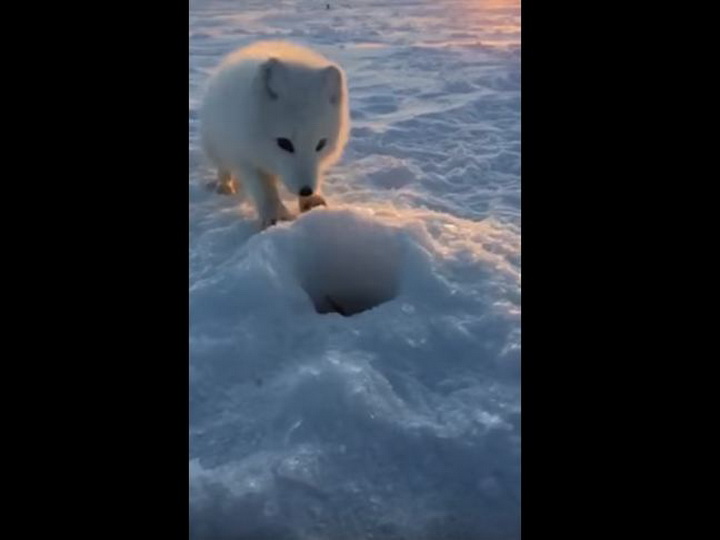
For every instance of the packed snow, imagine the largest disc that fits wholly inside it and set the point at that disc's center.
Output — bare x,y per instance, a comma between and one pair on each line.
398,418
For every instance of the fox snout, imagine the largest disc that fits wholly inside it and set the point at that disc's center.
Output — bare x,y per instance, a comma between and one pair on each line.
303,183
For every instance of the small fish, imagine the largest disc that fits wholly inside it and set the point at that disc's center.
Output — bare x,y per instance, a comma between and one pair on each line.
308,203
336,306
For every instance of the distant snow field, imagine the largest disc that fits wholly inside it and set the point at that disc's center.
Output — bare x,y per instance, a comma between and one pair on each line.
400,420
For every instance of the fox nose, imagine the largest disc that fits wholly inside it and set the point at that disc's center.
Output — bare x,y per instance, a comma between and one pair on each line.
305,191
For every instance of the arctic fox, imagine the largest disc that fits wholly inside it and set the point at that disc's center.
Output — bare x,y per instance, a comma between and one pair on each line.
275,109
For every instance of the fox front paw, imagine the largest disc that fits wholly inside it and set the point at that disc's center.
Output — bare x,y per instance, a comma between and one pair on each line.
274,215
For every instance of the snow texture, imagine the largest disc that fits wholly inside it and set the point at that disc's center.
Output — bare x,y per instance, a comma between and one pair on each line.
400,420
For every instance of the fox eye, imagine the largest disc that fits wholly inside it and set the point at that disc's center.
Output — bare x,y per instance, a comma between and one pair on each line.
321,145
286,145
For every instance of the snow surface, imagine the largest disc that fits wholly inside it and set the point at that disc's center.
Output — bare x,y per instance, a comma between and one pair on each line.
402,421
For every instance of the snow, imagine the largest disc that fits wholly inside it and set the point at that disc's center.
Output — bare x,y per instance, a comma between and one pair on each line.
401,421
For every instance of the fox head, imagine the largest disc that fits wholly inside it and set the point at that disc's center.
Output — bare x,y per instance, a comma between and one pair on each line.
302,119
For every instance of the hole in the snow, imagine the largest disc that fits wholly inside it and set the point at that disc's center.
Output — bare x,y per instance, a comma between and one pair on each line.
349,265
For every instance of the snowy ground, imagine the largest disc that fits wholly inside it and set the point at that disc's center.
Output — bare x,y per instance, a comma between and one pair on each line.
401,422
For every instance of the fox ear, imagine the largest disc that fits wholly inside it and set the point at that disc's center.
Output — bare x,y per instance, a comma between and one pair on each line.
332,84
272,74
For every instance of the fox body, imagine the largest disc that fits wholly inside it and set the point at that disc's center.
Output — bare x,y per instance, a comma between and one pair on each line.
275,111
